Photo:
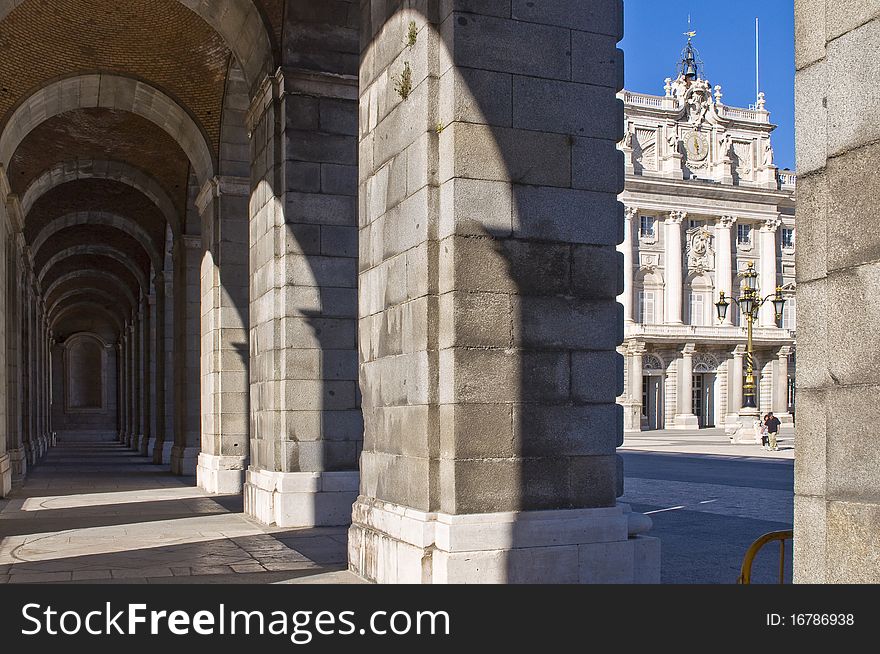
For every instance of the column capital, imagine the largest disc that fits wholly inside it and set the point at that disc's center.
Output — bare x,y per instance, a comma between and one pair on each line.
189,241
676,217
636,347
771,224
688,349
739,350
784,352
630,212
726,222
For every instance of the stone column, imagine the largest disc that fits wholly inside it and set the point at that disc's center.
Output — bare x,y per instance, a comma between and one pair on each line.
735,384
15,440
685,418
146,396
120,389
223,207
306,423
39,377
125,434
133,381
489,319
780,385
5,459
672,255
767,279
184,454
632,413
630,231
159,345
162,452
26,376
724,265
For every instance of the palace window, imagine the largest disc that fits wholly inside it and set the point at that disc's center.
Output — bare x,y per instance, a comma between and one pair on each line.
743,234
697,308
694,223
789,312
788,238
646,307
646,227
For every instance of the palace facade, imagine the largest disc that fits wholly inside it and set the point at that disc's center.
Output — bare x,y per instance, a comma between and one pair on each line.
703,200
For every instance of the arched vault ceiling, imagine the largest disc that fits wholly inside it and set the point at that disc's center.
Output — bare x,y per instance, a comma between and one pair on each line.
83,262
92,235
159,41
96,195
102,134
272,12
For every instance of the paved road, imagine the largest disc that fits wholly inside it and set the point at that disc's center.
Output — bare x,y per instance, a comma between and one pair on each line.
707,510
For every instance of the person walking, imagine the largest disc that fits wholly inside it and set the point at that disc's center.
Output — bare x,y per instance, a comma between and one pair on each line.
772,424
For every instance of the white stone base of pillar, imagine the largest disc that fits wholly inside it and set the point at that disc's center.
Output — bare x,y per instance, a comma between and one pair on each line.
632,416
5,474
18,462
390,543
220,474
685,421
162,452
784,418
301,499
184,460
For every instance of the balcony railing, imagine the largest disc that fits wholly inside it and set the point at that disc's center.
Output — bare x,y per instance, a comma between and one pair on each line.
787,179
726,332
643,99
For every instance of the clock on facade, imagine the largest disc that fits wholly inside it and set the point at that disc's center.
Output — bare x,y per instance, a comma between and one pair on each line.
697,146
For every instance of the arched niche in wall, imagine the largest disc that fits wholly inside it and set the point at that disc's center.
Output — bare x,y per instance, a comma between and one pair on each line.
85,378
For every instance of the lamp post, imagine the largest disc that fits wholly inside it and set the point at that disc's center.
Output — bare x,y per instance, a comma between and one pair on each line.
750,303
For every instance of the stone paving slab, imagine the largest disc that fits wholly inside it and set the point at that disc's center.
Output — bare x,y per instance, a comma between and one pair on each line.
97,513
706,441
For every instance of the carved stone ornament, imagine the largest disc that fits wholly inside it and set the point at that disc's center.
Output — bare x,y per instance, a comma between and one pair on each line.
726,222
700,253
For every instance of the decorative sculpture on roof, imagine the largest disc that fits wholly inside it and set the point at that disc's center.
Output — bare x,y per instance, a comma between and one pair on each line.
768,155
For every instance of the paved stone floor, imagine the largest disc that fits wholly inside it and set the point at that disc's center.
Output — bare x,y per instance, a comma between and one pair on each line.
99,512
709,500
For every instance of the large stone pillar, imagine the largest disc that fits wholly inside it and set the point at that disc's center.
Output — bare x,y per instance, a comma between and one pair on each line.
724,264
15,440
24,372
5,459
121,381
489,279
223,207
767,279
165,438
146,365
306,425
630,228
184,454
672,257
136,378
684,414
157,345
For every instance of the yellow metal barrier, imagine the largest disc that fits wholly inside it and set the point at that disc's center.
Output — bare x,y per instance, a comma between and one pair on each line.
745,575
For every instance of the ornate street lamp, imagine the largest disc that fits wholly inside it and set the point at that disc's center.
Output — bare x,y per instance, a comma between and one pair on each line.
750,302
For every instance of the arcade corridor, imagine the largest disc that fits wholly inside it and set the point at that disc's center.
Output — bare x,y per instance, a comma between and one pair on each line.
100,512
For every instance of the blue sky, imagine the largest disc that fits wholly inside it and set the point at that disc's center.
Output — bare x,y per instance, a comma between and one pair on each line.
653,41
